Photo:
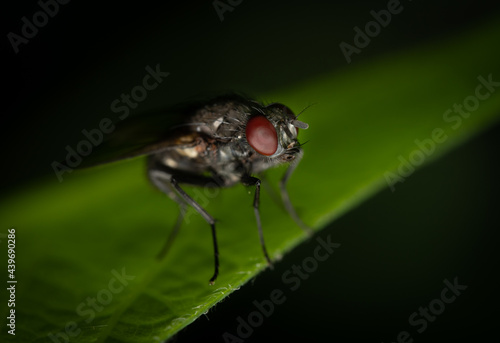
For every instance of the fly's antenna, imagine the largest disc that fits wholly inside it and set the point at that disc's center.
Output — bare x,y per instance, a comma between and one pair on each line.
299,124
305,109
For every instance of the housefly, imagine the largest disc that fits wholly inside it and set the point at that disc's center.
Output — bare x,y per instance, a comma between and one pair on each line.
216,143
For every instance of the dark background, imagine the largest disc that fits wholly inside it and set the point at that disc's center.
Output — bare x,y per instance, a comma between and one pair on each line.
441,223
89,53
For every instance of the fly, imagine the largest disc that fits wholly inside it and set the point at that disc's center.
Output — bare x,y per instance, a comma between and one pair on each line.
220,143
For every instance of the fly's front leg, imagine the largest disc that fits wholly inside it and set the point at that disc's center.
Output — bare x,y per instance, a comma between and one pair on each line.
253,181
286,198
167,183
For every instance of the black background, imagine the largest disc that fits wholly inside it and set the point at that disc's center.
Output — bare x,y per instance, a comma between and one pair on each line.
441,223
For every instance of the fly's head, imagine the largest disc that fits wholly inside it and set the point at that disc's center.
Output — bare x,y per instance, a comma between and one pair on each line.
273,133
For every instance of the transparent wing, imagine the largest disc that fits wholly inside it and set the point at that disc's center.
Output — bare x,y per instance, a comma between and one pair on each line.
153,132
142,135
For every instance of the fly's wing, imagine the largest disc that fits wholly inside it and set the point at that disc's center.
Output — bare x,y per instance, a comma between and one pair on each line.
142,135
154,132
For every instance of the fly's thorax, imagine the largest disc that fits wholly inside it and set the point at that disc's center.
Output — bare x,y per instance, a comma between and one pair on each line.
223,121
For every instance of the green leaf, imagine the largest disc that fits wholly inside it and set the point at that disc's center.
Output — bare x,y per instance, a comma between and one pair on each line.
85,248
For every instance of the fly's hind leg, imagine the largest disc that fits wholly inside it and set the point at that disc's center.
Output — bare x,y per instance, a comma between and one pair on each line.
169,184
161,181
171,237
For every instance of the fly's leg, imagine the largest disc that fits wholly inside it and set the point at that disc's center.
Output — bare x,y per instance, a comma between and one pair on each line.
286,198
164,181
266,185
253,181
160,180
170,240
208,218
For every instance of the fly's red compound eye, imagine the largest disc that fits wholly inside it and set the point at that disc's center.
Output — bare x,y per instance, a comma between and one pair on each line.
261,135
